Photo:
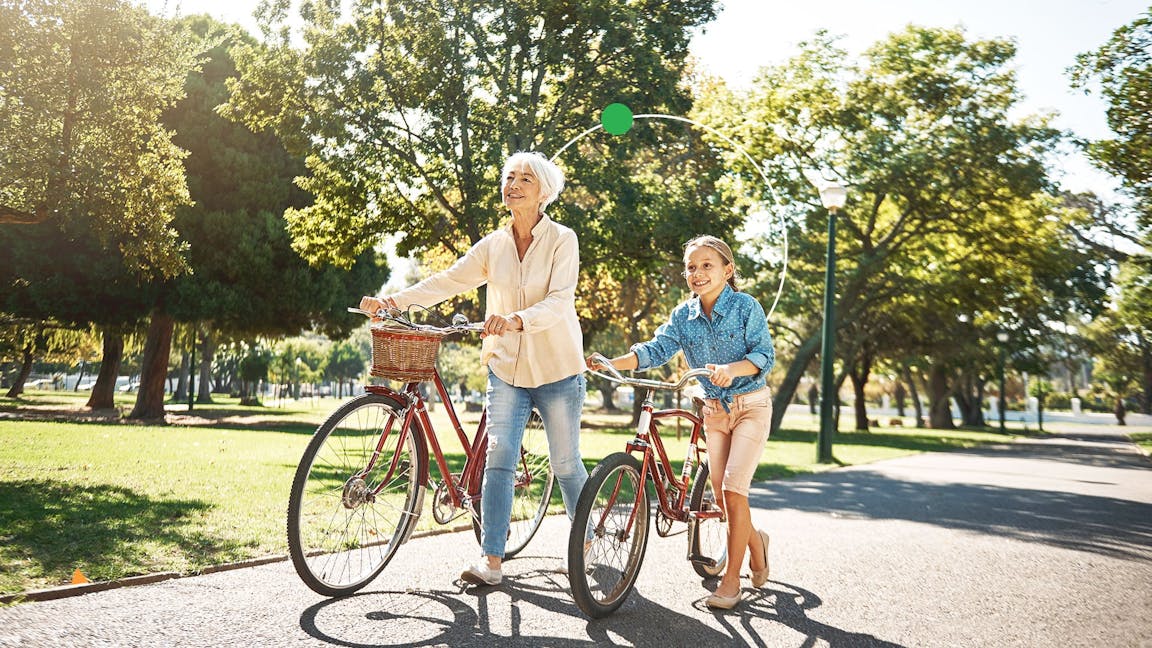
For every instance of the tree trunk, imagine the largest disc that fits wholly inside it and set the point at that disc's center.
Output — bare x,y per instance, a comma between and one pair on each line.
206,354
180,394
969,397
26,357
607,394
1119,410
859,376
154,367
915,393
796,370
1146,365
900,393
80,377
104,391
939,409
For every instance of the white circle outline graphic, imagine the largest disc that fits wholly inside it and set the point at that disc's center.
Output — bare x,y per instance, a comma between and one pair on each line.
739,149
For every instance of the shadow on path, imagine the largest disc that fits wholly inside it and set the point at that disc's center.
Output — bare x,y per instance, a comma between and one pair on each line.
464,618
1108,526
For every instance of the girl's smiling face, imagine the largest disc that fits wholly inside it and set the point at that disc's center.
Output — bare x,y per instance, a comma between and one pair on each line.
706,271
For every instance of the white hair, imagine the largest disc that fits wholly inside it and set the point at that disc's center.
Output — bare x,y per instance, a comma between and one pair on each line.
550,177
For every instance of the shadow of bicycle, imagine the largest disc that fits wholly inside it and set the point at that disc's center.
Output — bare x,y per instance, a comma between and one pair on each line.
542,614
789,605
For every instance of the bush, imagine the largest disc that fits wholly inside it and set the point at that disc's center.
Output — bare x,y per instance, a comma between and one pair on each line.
1058,401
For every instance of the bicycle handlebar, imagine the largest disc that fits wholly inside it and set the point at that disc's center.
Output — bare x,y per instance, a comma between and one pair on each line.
395,315
615,376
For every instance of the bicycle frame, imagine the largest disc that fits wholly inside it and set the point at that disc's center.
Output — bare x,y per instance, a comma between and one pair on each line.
656,466
470,476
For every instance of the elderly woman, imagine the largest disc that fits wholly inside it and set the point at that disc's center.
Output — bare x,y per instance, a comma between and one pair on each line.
532,343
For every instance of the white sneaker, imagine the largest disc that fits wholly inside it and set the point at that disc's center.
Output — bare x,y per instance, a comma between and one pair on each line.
480,574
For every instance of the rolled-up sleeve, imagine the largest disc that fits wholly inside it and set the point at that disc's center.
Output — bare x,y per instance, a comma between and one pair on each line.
660,349
758,339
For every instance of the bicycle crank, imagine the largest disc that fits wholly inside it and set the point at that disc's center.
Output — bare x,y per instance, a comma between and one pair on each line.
443,509
664,525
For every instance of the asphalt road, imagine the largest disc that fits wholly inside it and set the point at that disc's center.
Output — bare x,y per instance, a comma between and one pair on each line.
1039,543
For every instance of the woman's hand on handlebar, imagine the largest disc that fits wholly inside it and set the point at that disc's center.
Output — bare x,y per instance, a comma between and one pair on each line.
499,325
376,304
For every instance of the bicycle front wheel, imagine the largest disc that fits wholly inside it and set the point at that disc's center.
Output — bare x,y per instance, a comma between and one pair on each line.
707,537
355,496
532,489
609,535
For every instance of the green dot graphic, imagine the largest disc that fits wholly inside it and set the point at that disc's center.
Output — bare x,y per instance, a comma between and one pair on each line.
616,119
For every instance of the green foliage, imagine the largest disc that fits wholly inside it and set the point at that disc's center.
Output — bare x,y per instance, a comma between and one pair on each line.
248,280
1121,338
407,109
81,145
459,362
1123,68
947,235
345,362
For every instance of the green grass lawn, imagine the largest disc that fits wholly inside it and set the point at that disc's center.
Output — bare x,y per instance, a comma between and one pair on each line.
1144,440
116,499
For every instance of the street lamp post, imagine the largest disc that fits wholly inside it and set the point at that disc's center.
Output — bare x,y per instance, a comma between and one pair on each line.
1002,337
833,197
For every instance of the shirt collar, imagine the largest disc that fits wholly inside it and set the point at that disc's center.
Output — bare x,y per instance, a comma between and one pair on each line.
721,306
537,229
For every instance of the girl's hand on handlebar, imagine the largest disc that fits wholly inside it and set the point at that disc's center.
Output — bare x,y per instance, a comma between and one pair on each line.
721,376
376,304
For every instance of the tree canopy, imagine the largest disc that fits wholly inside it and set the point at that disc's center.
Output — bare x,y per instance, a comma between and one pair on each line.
81,145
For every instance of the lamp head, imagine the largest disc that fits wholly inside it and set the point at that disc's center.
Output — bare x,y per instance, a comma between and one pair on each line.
833,196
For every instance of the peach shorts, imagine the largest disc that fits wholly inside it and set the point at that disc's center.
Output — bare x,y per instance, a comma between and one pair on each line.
736,438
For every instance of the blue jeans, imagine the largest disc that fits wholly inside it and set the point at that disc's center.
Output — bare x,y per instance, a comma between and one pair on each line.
509,407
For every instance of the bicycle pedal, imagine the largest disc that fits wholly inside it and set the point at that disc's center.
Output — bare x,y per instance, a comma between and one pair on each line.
702,560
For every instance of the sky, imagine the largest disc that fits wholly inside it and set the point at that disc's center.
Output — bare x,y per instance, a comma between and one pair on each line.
748,34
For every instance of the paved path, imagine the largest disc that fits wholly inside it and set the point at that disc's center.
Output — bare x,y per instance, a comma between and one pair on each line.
1041,543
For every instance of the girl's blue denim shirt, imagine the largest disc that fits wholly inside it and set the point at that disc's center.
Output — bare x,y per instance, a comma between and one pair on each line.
738,330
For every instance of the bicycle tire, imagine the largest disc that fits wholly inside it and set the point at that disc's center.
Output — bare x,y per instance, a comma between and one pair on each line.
532,491
604,574
341,533
707,537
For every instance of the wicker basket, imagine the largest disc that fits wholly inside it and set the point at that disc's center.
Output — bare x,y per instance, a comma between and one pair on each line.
404,354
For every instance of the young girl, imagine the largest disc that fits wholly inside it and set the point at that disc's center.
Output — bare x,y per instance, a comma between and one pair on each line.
726,332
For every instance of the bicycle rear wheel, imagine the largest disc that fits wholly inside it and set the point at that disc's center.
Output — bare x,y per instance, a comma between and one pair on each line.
707,537
346,520
609,535
532,489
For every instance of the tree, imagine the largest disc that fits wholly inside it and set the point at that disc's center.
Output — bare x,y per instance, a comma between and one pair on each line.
919,125
248,281
81,92
89,179
345,364
406,110
1123,68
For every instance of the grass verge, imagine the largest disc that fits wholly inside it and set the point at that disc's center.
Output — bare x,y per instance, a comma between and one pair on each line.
116,499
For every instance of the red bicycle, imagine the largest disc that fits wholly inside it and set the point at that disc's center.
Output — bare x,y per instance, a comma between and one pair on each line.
610,531
358,492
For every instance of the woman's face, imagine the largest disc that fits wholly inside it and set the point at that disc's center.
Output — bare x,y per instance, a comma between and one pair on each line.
705,271
522,190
